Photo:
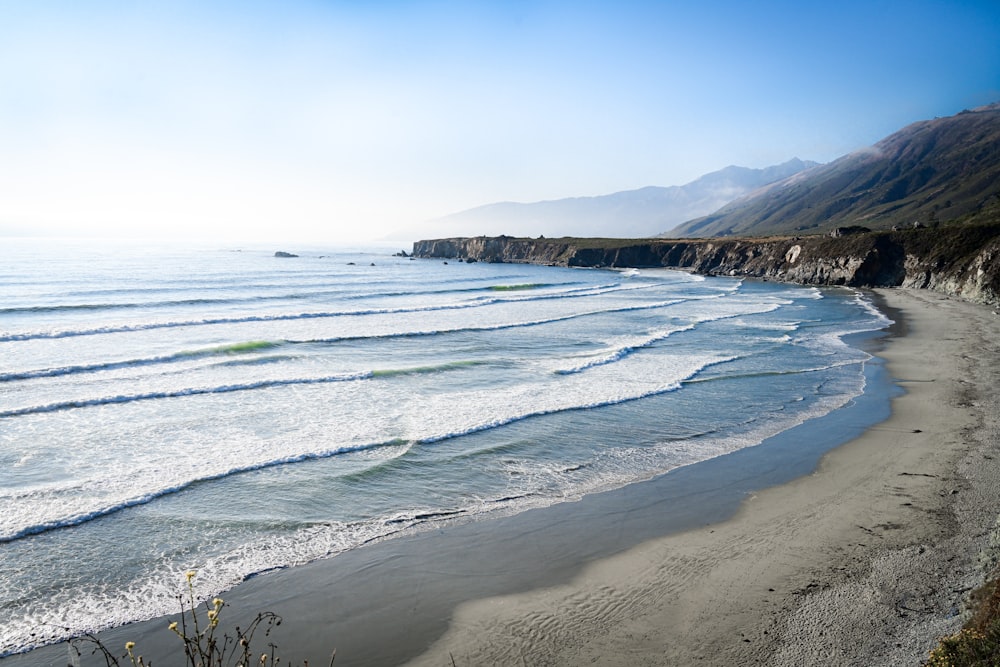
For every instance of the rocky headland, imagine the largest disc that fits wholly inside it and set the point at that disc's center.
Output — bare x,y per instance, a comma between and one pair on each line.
961,260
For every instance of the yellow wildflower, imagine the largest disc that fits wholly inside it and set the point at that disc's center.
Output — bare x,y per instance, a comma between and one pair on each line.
212,614
129,646
217,602
190,575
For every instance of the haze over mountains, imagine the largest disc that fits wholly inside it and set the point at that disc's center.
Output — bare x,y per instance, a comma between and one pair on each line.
932,171
645,212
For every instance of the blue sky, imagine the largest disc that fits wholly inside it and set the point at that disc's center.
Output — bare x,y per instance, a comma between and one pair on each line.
343,121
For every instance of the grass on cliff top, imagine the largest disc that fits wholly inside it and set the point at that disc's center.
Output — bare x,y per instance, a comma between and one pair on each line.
593,242
604,243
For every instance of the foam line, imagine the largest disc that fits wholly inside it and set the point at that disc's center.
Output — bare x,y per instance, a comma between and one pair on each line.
225,389
84,517
504,421
486,426
194,354
180,393
168,303
497,327
623,351
222,350
127,328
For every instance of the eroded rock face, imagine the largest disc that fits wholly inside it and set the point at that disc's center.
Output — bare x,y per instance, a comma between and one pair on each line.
962,261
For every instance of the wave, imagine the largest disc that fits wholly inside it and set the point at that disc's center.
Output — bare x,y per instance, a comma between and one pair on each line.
179,393
496,327
411,517
409,291
422,370
230,388
504,421
168,287
487,425
308,541
514,288
235,348
310,292
84,517
622,351
255,346
771,326
586,290
146,326
221,350
128,328
130,305
257,361
882,320
778,373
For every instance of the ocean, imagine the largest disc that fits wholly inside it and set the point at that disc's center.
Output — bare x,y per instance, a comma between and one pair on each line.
169,407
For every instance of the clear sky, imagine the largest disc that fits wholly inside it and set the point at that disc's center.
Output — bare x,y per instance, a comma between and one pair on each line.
337,120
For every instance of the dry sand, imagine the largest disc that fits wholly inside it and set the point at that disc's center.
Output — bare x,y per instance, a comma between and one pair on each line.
863,562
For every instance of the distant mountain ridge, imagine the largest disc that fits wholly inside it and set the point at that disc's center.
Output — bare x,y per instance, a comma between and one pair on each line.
645,212
930,172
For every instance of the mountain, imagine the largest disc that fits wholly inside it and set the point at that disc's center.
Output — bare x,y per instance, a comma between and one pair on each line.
931,172
644,212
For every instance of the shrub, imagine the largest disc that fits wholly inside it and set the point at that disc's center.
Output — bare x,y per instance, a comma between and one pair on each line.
203,647
977,644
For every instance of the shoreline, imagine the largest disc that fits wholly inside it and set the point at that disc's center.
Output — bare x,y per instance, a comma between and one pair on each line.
862,562
603,583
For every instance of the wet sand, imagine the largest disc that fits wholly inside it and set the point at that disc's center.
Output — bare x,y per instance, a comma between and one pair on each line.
785,553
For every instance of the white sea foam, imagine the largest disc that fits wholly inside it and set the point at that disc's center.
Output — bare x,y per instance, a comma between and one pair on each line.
621,348
442,416
9,336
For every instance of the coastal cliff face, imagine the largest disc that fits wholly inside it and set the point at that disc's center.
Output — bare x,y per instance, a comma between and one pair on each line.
961,261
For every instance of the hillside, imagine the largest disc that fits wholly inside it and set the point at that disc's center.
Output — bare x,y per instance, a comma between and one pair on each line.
932,171
640,213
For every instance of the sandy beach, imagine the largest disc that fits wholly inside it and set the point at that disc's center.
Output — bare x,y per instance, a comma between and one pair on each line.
783,554
862,562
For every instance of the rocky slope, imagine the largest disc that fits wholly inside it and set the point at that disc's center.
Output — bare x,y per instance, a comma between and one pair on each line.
959,260
933,171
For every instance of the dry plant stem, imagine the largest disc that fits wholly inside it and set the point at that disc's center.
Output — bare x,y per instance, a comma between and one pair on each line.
202,648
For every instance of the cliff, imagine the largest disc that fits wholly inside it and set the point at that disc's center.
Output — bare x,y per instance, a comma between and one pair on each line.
960,260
